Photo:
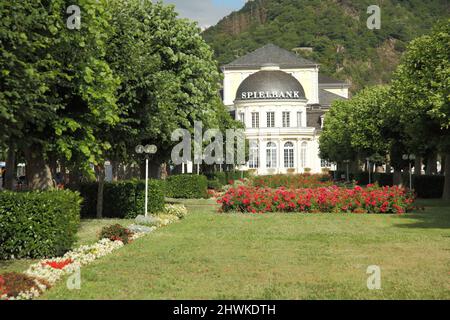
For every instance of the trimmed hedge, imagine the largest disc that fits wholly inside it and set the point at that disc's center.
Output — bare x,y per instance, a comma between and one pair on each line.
425,186
38,224
187,186
223,178
123,199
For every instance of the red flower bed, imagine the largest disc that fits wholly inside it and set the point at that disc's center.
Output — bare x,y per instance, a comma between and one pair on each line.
13,283
59,264
372,199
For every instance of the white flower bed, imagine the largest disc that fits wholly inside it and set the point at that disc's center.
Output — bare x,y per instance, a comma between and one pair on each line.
73,260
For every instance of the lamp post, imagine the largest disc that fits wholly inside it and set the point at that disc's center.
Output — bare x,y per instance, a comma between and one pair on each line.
409,158
147,150
347,162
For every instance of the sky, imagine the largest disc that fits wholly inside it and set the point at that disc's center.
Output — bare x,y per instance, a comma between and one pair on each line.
206,12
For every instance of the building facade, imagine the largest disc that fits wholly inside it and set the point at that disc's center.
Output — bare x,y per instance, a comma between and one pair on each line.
282,99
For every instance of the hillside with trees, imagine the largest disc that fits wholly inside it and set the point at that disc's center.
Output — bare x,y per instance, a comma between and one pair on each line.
335,29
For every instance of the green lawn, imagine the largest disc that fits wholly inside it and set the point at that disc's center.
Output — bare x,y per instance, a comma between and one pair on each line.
277,256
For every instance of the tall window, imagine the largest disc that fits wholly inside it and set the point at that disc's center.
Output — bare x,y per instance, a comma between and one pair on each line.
242,117
289,155
303,147
254,155
270,119
255,119
286,119
271,155
300,119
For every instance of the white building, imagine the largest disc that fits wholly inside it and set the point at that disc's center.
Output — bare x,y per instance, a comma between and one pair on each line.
281,98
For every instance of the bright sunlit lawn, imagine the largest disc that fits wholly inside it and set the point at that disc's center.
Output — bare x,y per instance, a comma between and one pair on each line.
277,256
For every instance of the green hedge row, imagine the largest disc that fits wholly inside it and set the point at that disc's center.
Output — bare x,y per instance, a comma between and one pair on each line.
38,224
216,180
187,186
123,199
425,186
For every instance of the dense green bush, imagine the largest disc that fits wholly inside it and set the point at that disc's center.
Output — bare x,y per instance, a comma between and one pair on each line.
123,199
38,224
215,184
425,186
187,186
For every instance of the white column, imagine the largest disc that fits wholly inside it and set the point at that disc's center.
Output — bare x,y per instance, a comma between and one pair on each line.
262,156
280,164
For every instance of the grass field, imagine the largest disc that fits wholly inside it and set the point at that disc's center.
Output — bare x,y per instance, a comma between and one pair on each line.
276,256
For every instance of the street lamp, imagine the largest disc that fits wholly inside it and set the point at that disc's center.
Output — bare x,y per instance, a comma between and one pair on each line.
411,158
147,150
370,173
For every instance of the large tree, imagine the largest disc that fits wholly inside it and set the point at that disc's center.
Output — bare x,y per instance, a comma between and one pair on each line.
422,89
169,78
56,87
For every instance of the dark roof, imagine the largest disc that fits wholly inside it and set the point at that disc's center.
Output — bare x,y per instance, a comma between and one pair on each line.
273,81
313,118
270,54
328,80
326,97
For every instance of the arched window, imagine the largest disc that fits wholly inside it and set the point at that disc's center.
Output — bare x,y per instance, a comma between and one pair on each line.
271,155
289,155
254,155
303,154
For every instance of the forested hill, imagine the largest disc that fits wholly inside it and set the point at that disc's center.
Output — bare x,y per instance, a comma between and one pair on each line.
335,29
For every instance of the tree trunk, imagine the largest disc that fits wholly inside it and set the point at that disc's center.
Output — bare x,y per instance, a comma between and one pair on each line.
398,178
100,170
432,164
10,173
443,164
418,166
446,193
38,171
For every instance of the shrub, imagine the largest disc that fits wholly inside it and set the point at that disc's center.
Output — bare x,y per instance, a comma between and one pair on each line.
425,186
372,199
38,224
214,185
187,186
123,199
292,181
116,232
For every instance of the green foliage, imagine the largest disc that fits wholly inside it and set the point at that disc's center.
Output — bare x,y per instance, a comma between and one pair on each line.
368,56
58,92
215,184
169,78
425,186
123,199
187,186
115,232
37,225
